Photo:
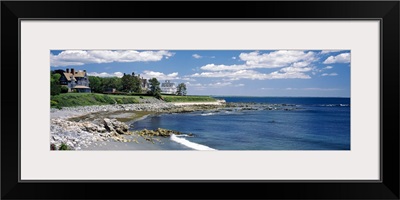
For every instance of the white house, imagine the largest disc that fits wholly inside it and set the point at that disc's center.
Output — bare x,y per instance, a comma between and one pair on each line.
168,87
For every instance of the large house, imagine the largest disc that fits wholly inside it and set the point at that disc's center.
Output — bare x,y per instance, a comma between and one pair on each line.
75,80
168,87
144,84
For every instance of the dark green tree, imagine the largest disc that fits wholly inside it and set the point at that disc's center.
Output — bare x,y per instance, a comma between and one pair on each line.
155,88
131,83
127,83
137,84
95,84
112,82
55,87
181,89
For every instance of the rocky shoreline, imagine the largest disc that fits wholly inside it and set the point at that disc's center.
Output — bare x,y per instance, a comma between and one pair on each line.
78,127
75,135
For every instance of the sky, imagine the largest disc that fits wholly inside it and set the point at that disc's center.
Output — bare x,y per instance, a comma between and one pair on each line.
288,73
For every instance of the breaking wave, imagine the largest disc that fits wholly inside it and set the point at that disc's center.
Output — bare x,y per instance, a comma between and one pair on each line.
189,143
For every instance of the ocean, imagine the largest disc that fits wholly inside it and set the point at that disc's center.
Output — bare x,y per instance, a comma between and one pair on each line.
312,124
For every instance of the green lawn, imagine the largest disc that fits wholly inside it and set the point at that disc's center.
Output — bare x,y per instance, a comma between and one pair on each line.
86,99
171,98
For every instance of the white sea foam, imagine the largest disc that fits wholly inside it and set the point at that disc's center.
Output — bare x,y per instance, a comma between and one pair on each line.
207,114
189,143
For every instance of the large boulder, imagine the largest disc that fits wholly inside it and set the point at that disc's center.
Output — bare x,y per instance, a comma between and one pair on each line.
113,125
158,132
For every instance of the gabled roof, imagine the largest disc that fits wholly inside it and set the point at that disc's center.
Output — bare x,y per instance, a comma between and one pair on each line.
77,74
81,86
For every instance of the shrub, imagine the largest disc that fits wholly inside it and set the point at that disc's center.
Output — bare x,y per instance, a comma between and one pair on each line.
54,89
108,99
64,147
53,103
53,147
99,98
64,89
119,101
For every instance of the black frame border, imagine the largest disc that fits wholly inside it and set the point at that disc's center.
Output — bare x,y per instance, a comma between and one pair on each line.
386,11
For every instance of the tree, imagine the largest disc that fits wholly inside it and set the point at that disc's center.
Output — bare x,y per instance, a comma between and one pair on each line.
55,87
181,89
131,83
127,83
112,82
95,84
155,88
137,84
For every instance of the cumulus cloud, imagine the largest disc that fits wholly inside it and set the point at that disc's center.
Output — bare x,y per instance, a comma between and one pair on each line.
293,64
105,74
331,74
81,57
341,58
197,56
213,85
277,58
251,74
314,89
159,75
296,69
330,51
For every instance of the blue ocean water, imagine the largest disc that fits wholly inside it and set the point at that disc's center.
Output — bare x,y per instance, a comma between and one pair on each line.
315,124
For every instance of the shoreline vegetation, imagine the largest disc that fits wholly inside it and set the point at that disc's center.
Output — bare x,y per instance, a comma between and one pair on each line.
78,121
88,99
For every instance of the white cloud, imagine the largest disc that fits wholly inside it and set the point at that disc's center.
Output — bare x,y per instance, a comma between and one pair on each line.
314,89
251,74
213,67
331,74
295,69
330,51
81,57
105,74
188,79
159,75
275,59
328,67
234,58
213,85
293,64
219,84
341,58
197,56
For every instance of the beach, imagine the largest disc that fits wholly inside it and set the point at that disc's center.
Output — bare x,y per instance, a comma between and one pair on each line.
106,127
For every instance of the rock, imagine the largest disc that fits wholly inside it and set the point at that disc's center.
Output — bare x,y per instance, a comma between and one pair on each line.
158,132
108,125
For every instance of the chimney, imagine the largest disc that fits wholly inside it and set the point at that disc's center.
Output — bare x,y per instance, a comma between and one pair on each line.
67,70
84,71
72,70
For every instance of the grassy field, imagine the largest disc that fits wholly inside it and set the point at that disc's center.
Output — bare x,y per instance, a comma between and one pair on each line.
86,99
170,98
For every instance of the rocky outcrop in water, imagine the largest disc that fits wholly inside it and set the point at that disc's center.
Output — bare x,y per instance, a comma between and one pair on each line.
158,132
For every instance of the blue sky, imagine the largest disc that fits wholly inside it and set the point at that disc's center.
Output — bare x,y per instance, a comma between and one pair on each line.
306,73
